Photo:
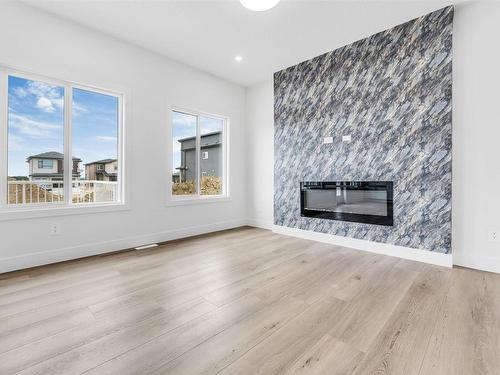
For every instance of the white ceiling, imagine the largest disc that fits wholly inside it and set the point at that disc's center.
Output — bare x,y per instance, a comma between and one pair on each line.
209,34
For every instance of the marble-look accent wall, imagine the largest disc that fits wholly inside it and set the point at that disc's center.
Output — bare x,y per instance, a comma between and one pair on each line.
392,93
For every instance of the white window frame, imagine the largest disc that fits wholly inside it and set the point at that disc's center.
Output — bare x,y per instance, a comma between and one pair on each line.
65,207
175,200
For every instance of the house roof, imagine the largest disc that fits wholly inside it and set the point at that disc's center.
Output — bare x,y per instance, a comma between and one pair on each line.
50,155
103,161
203,136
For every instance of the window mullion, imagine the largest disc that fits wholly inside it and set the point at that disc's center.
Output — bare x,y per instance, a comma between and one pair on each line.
198,153
121,175
3,138
225,159
68,159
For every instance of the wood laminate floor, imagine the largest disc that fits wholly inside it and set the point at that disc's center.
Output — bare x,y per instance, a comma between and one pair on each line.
247,301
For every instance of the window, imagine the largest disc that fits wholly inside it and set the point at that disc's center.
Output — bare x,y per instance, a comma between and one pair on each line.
195,137
45,164
40,170
95,131
35,123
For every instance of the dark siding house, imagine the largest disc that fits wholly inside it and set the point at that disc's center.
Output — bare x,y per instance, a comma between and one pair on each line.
210,157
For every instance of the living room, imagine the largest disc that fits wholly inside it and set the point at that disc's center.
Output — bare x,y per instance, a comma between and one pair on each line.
254,186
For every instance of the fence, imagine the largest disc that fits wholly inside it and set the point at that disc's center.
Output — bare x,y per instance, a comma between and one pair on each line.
48,192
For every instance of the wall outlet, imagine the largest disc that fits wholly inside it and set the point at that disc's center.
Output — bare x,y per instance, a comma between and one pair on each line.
327,140
494,235
55,229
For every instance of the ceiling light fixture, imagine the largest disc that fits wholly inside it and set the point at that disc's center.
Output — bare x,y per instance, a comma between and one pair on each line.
238,58
259,5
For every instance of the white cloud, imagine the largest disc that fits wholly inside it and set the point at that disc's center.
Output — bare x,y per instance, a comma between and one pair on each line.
32,128
20,92
39,89
58,102
48,97
45,104
105,138
78,108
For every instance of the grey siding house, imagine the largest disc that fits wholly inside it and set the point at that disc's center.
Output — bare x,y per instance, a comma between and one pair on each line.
210,157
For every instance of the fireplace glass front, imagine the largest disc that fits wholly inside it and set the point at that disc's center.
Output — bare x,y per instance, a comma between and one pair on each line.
356,201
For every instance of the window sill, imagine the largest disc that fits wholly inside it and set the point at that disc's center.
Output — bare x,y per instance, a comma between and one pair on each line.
187,200
20,213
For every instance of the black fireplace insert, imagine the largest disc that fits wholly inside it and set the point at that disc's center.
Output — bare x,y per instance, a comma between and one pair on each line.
367,202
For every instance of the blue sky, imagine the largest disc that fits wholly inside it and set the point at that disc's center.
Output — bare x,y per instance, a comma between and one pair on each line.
183,126
36,118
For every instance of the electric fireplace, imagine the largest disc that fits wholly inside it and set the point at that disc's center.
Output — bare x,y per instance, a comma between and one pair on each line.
367,202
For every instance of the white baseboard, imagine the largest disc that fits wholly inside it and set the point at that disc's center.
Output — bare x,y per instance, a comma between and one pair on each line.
264,224
478,263
374,247
96,248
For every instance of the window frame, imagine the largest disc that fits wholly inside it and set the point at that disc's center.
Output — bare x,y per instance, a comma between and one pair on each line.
176,200
65,207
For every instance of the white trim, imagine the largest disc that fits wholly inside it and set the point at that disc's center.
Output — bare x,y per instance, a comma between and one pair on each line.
8,211
172,200
68,146
183,200
478,263
4,153
264,224
96,248
374,247
30,212
197,159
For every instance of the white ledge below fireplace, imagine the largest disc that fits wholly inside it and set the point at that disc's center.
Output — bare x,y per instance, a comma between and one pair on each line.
418,255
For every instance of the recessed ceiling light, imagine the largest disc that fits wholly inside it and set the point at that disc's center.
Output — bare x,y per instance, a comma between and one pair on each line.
238,58
259,5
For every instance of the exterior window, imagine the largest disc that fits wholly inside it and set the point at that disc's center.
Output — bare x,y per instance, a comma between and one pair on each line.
35,125
95,136
185,162
211,169
194,138
40,170
45,164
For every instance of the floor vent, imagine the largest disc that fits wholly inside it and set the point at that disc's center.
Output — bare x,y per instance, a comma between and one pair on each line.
146,246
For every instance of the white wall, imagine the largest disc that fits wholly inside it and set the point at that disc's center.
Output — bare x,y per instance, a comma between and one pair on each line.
35,42
260,153
476,139
476,135
39,43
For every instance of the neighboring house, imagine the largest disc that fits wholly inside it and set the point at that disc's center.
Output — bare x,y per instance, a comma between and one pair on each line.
49,166
102,170
176,177
210,157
